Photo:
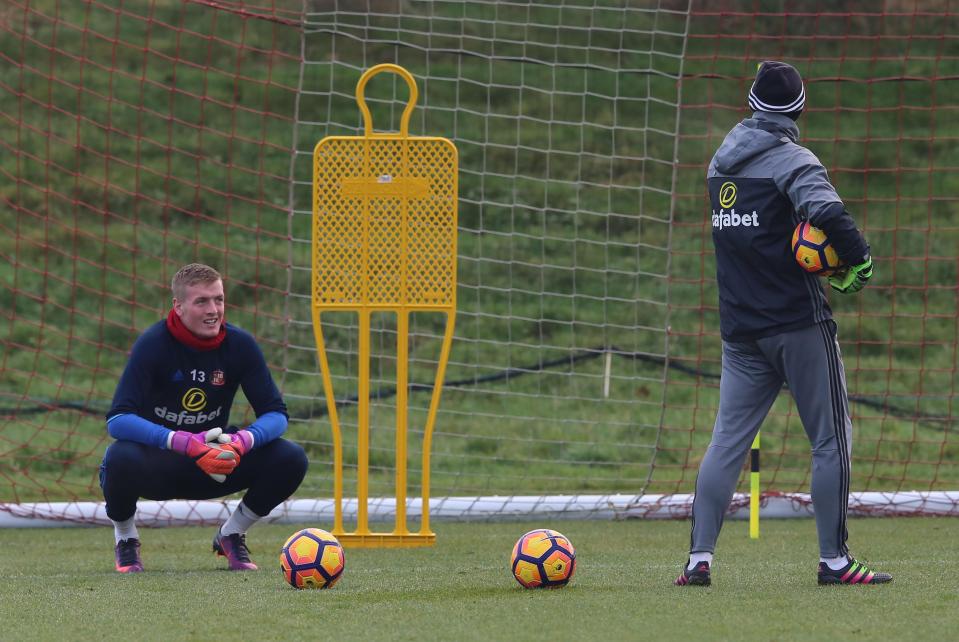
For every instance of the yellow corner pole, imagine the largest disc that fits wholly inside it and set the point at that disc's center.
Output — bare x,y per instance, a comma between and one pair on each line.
754,489
384,240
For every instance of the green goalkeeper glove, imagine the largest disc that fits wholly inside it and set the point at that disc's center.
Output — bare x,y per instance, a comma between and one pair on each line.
852,278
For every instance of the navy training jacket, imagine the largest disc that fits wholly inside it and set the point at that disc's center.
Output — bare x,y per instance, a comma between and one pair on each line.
761,185
179,388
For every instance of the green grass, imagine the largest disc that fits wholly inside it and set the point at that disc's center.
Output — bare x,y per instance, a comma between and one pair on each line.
60,584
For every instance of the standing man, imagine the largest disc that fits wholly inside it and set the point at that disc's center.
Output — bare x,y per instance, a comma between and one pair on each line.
775,322
168,411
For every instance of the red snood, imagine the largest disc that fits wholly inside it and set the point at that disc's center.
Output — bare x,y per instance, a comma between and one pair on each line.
187,338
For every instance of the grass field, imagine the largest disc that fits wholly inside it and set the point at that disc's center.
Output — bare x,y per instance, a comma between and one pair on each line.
60,584
140,136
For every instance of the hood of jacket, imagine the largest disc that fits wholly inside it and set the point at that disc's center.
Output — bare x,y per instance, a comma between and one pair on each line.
752,137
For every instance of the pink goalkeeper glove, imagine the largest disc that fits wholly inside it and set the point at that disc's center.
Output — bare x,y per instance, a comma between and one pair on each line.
240,442
210,458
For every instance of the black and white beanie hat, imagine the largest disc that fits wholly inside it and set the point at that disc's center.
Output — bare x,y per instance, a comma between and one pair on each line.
778,88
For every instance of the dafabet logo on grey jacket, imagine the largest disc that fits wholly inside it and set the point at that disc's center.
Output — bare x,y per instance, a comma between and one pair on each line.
727,216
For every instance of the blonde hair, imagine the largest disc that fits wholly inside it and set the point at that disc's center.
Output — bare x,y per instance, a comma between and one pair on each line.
192,274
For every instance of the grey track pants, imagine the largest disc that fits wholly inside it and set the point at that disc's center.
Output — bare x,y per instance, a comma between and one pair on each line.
809,362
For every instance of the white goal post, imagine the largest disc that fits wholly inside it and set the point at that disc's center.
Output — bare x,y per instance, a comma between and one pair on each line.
487,509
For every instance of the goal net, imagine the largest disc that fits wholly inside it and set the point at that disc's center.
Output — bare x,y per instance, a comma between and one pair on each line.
584,371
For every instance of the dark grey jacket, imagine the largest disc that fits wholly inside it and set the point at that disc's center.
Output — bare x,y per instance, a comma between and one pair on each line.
761,185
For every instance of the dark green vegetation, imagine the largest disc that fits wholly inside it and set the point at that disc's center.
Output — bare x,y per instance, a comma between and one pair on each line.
156,135
57,584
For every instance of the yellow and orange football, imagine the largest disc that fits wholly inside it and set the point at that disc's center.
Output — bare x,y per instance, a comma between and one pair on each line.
813,251
312,558
543,558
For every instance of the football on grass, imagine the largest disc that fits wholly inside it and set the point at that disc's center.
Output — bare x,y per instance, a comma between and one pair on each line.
543,558
312,558
813,251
